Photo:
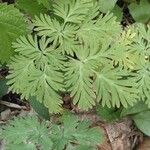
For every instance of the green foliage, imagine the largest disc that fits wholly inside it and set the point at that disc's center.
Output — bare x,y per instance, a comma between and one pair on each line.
36,71
141,48
133,110
139,9
106,6
117,11
76,50
140,12
31,7
142,121
12,25
29,133
113,89
110,6
3,87
140,114
46,3
72,132
26,133
108,114
76,11
39,108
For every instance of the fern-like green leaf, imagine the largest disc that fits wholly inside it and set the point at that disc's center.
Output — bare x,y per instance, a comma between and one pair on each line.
68,35
94,31
114,87
36,72
120,50
12,25
78,79
73,10
61,35
77,132
141,49
143,82
141,45
26,133
80,85
78,41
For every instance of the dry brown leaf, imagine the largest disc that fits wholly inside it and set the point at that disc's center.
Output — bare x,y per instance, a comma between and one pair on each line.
5,115
145,145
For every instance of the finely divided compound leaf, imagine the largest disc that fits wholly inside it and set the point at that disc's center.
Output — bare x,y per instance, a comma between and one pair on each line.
60,35
78,79
94,51
36,72
141,48
80,85
143,82
73,10
77,132
12,25
119,50
114,87
95,31
141,41
26,133
68,35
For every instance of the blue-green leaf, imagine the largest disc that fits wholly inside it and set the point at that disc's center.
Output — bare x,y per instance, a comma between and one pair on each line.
137,108
106,5
3,86
142,121
140,12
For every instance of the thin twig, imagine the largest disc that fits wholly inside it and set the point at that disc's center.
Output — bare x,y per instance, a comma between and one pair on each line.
12,105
